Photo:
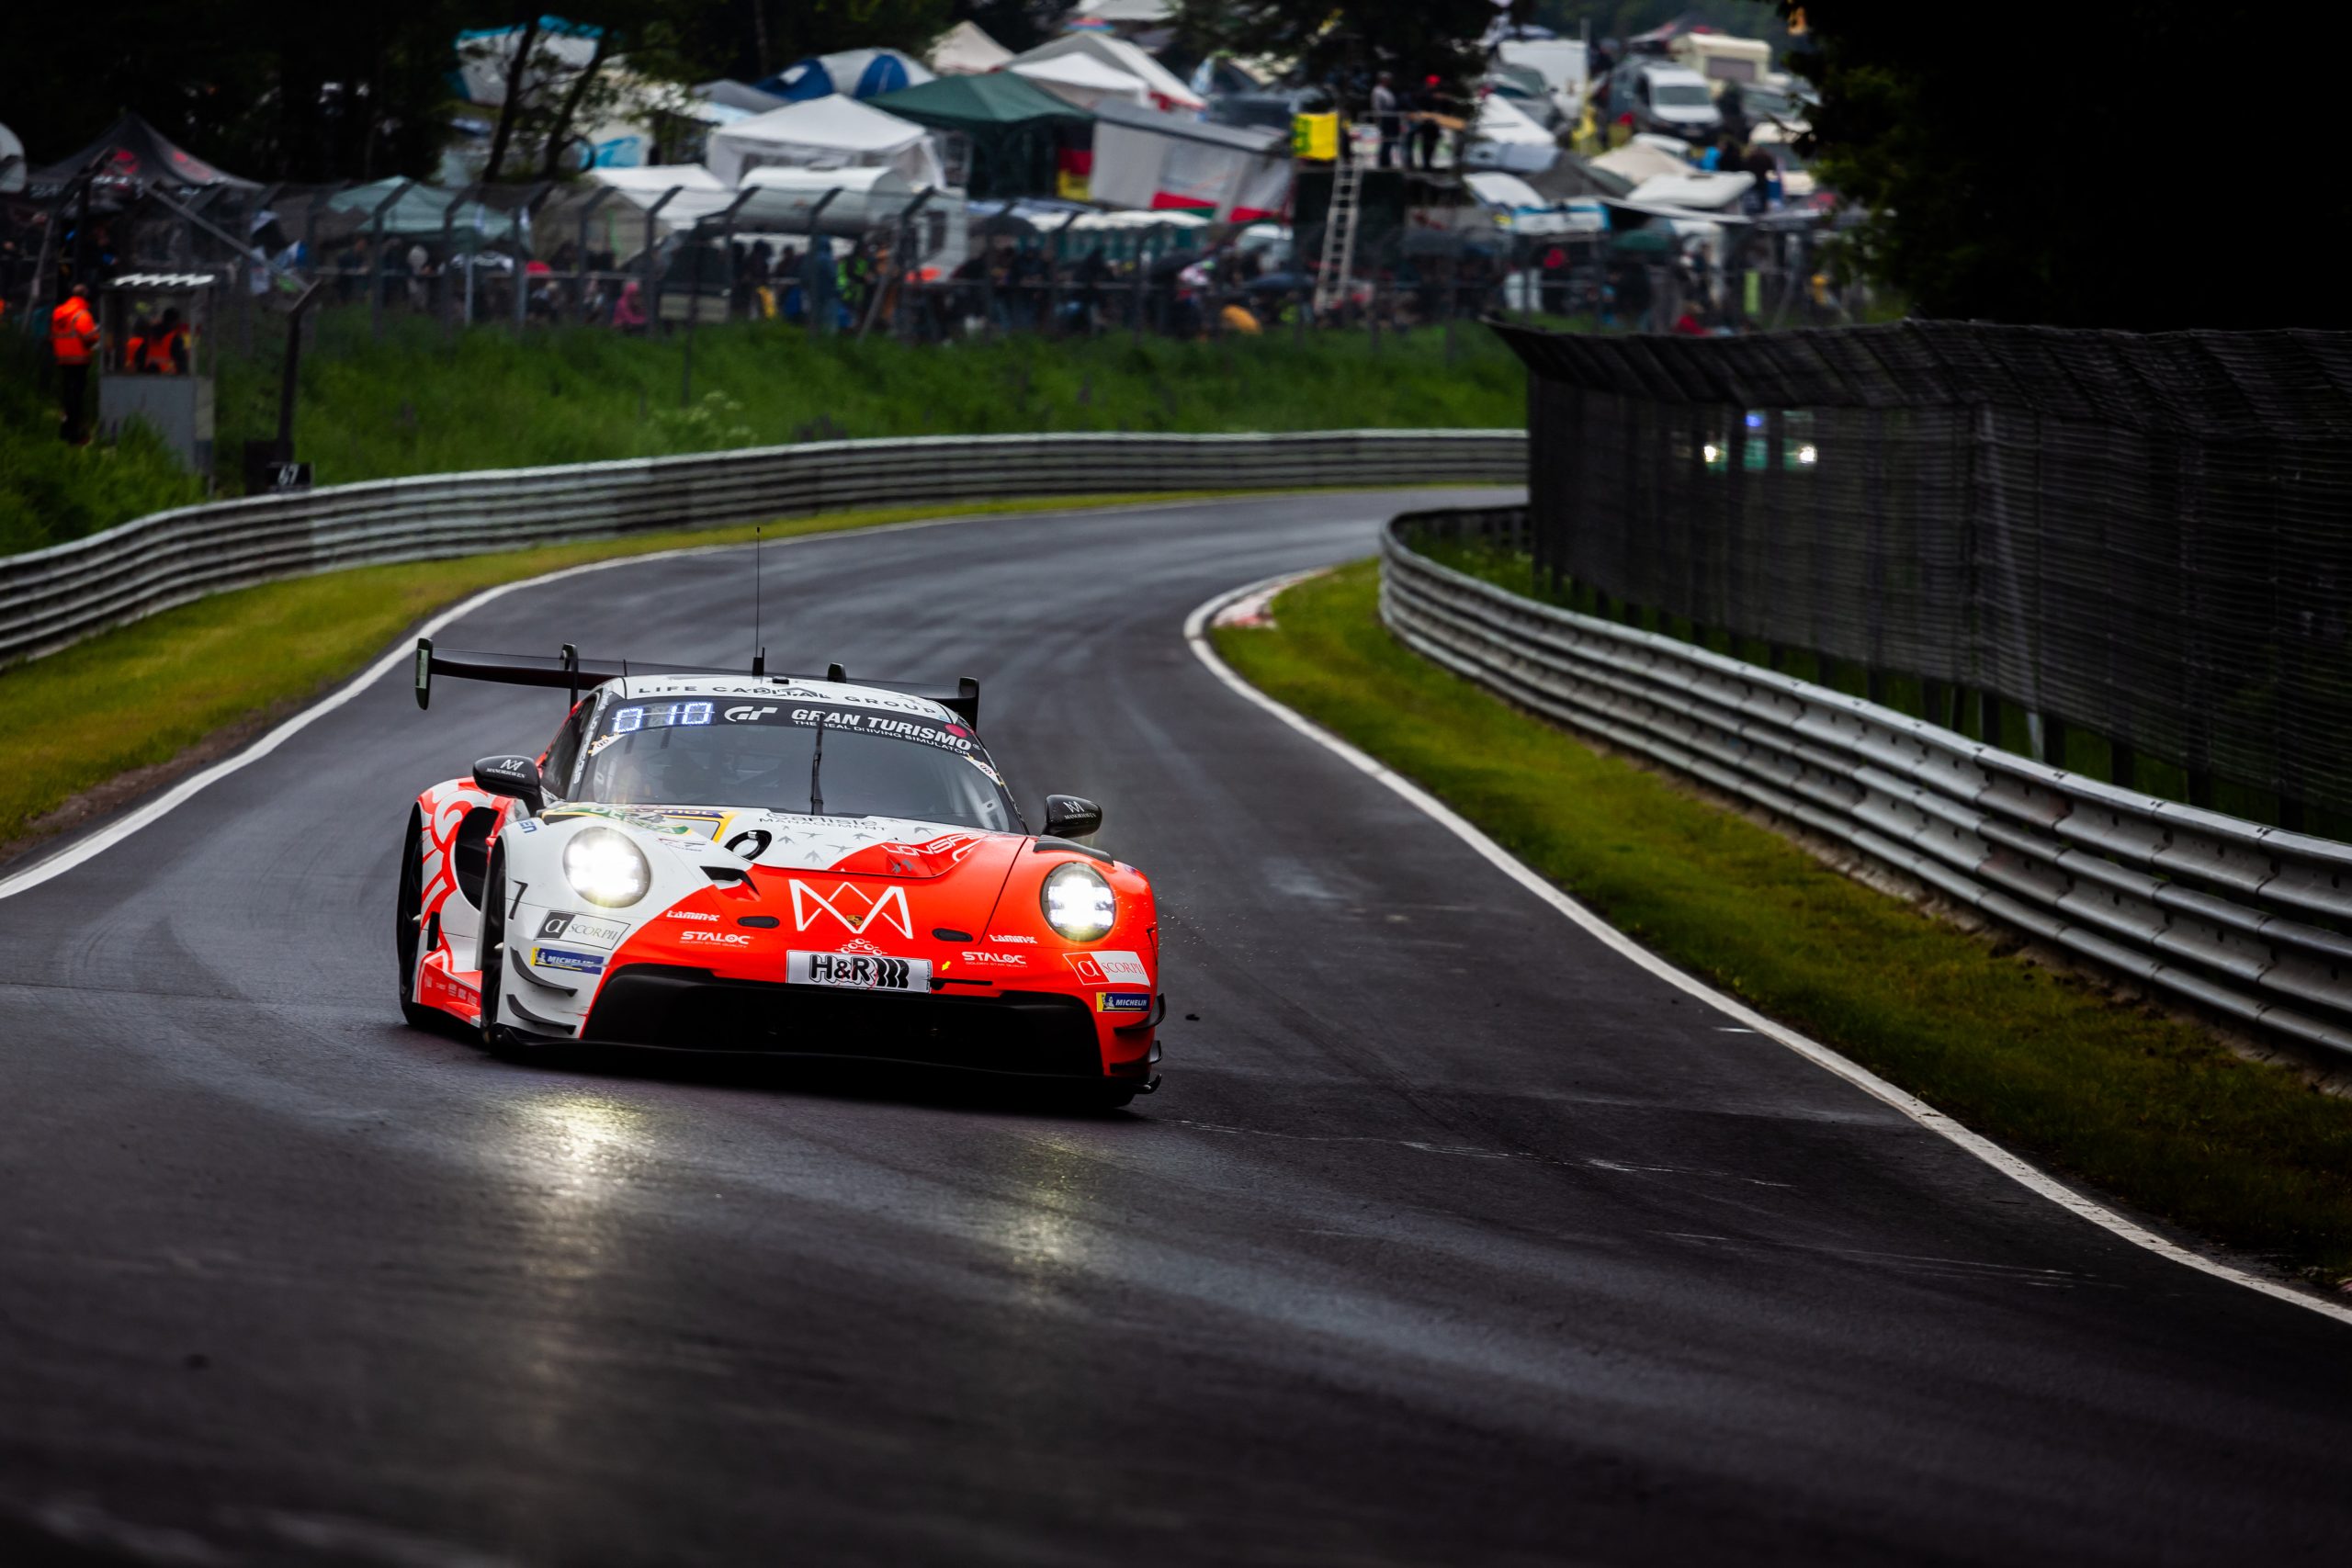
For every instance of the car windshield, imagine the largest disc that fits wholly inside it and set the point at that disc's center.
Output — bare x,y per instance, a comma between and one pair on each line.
828,759
1679,96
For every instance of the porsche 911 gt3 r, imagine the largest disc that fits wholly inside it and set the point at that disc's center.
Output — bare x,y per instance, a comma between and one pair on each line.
720,862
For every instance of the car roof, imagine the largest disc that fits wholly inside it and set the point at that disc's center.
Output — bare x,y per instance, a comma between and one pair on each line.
639,688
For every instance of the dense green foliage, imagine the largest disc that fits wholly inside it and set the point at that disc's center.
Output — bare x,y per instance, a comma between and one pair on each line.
2116,1095
2030,183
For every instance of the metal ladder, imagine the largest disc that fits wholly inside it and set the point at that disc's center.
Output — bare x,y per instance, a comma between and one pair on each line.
1339,231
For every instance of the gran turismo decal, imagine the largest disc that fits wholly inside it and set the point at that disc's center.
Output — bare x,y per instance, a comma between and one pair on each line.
746,714
559,958
1111,966
1123,1001
853,906
857,971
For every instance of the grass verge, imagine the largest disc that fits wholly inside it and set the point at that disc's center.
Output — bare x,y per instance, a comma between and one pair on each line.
417,401
144,695
2115,1095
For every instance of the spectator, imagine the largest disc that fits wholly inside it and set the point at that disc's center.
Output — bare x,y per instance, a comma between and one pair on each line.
73,342
628,312
420,268
819,289
165,351
1428,103
1766,193
1385,117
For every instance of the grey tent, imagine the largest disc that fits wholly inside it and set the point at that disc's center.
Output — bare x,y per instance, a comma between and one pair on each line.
133,153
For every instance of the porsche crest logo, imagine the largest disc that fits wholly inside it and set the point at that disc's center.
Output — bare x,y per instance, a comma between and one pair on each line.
853,906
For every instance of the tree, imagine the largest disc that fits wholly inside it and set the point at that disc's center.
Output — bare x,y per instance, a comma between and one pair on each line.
2069,173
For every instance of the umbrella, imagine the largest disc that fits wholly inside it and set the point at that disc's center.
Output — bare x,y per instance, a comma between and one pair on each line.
1642,242
1281,283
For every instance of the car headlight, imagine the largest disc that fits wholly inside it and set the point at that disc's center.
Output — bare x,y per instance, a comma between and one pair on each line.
1078,902
605,868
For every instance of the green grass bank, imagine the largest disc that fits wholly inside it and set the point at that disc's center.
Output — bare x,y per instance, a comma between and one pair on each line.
2119,1097
420,402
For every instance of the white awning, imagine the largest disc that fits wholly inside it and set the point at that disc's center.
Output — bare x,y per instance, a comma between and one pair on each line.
831,132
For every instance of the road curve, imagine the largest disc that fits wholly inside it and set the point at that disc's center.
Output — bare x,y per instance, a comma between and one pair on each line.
1452,1236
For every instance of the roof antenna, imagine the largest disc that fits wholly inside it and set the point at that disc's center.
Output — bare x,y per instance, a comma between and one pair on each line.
759,651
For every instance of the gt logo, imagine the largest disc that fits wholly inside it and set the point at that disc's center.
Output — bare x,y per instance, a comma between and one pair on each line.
747,714
891,903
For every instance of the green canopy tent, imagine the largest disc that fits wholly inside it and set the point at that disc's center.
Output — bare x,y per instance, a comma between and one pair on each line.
1015,129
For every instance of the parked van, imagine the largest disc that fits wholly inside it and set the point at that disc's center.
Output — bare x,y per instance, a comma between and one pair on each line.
1663,96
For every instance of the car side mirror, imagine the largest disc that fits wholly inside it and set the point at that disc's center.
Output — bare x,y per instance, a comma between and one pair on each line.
1068,817
518,778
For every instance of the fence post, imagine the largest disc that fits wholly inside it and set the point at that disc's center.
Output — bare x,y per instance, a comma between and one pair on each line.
652,285
522,237
449,258
580,254
376,258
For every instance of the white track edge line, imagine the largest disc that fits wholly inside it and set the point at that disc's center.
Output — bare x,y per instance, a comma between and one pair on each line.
2020,1171
100,840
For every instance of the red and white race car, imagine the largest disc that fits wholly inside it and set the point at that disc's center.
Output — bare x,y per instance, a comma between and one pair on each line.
721,861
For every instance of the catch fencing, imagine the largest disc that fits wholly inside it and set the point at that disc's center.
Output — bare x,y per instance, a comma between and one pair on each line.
2243,919
52,597
2140,539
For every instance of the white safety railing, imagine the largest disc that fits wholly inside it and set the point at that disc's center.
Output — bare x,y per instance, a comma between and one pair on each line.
2246,920
52,597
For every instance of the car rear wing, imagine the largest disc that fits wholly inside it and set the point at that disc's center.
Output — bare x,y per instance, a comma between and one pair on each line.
567,671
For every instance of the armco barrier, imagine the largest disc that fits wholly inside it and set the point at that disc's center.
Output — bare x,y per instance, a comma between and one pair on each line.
2240,918
52,597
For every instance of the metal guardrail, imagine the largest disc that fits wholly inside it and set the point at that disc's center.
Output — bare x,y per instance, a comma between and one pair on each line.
52,597
2246,920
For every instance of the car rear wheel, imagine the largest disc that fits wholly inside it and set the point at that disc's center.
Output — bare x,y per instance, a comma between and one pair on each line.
408,937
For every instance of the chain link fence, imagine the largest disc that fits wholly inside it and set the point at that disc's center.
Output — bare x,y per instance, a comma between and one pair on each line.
2122,554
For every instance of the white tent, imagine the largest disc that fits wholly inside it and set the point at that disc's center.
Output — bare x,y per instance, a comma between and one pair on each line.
1693,189
1167,92
1521,208
964,51
1503,138
1132,14
831,132
1637,161
1083,81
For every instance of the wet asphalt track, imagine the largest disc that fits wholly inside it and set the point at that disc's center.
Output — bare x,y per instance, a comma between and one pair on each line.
1451,1237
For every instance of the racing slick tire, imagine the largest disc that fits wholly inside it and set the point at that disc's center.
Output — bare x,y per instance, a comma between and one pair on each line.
408,938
